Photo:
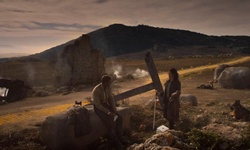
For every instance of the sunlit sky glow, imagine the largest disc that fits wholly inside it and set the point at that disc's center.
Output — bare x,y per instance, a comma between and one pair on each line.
32,26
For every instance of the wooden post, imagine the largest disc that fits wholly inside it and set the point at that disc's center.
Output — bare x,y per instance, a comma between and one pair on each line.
156,83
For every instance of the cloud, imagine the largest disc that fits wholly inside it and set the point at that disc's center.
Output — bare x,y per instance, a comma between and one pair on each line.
33,28
101,1
62,19
19,11
33,25
6,46
59,26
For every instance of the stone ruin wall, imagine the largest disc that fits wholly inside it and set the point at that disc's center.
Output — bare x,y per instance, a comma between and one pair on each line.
79,63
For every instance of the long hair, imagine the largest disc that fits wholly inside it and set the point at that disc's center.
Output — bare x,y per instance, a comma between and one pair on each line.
175,73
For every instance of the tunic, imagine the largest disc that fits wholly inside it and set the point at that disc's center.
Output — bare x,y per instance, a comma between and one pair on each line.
102,98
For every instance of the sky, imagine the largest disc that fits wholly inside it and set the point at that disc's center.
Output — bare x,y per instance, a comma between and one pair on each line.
32,26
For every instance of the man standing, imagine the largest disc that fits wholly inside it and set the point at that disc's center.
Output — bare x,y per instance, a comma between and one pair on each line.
104,107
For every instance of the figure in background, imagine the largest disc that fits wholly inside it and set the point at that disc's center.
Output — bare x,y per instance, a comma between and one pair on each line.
104,107
171,103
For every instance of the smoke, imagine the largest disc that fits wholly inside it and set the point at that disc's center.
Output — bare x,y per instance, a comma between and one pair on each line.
119,72
139,73
30,73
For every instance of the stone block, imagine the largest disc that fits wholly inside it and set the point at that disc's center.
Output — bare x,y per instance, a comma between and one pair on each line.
57,133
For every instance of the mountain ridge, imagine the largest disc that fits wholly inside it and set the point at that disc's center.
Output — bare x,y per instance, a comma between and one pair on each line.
119,39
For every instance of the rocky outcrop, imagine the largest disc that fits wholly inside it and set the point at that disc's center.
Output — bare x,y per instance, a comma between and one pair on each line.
218,71
235,77
189,99
232,77
169,140
228,132
57,132
79,63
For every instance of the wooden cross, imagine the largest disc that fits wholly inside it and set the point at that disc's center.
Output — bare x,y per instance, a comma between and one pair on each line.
155,84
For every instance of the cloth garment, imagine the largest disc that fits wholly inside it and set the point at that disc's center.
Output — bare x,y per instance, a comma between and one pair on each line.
79,117
171,108
103,104
101,96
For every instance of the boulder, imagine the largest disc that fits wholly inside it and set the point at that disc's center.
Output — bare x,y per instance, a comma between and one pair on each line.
57,132
235,77
228,132
189,98
218,71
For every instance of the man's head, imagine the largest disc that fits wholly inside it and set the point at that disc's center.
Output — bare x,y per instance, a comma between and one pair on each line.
106,80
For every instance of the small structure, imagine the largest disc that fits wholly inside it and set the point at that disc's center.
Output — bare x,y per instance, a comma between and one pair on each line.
12,90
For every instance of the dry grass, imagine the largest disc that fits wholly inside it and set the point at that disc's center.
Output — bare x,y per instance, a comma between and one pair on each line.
213,105
40,73
32,73
164,65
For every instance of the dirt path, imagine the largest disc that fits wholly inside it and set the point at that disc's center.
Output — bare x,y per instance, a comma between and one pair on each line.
202,68
33,110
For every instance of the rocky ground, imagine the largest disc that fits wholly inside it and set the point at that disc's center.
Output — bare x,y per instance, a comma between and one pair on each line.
211,114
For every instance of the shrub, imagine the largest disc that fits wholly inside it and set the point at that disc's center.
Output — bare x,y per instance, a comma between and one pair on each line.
200,139
245,141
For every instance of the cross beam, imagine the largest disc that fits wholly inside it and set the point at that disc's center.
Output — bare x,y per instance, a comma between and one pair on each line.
155,84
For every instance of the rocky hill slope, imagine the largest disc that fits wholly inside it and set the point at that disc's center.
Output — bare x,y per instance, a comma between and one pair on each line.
118,39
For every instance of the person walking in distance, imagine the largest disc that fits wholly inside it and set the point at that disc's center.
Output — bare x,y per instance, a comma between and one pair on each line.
105,108
171,104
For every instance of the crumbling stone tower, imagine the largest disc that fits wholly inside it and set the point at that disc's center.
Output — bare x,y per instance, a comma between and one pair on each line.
79,63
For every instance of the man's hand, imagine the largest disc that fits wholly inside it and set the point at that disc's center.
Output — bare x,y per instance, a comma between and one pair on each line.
159,94
111,114
175,94
171,99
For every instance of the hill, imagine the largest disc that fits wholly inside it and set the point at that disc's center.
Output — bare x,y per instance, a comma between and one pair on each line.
118,39
7,55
